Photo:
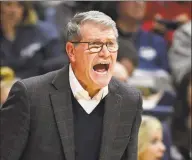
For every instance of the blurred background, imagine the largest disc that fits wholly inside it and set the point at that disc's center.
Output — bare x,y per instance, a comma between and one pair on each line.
154,56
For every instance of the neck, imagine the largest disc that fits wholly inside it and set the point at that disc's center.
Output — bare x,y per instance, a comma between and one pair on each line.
92,92
127,25
89,88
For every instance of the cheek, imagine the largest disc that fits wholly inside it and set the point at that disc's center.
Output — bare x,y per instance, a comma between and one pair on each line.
91,58
85,61
149,152
19,13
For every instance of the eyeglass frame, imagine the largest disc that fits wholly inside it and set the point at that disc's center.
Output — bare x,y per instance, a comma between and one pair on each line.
101,46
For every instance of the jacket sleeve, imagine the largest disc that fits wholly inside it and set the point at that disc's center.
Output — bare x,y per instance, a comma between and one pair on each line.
132,148
14,123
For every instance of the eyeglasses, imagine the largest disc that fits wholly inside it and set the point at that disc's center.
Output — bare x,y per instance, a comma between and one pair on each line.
95,47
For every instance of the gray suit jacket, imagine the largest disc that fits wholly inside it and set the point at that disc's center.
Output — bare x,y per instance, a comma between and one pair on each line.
37,120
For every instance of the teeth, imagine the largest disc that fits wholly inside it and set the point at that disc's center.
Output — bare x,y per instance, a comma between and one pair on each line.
104,63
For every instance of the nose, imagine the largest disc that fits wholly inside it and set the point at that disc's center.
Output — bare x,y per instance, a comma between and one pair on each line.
104,52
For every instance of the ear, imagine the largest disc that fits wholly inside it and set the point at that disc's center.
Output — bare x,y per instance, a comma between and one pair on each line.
70,51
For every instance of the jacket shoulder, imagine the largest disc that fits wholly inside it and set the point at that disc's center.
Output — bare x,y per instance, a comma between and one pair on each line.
41,81
126,90
131,96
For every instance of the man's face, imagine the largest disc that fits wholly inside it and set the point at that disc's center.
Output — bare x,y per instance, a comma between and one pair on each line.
93,69
11,12
132,9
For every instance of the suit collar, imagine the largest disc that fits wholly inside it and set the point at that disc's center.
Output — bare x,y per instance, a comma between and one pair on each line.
62,107
61,80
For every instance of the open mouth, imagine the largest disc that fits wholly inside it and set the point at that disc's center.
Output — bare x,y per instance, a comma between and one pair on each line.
101,67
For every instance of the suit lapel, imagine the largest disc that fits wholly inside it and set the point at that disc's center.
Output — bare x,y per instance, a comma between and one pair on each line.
62,106
111,117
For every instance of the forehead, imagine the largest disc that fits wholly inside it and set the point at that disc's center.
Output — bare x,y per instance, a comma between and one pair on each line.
93,31
156,133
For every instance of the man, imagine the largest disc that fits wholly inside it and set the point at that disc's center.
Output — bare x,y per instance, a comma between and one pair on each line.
78,112
153,66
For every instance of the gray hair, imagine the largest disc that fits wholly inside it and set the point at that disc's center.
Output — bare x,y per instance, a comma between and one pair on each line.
73,27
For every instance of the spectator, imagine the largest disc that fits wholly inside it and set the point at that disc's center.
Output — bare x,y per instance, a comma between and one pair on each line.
150,145
26,43
153,67
152,49
180,52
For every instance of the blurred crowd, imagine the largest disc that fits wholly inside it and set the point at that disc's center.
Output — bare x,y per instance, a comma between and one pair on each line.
154,56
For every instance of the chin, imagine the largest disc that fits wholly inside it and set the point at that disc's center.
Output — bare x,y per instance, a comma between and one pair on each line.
101,82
